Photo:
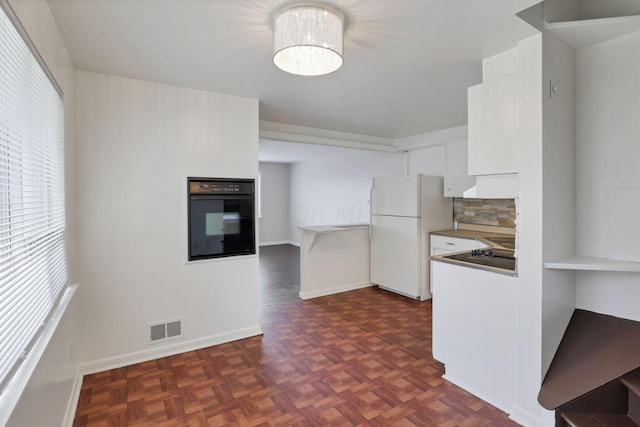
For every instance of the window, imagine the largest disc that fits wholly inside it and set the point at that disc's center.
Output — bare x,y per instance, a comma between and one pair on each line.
33,271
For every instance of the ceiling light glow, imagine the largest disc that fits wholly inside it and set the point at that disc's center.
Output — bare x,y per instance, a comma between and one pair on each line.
308,40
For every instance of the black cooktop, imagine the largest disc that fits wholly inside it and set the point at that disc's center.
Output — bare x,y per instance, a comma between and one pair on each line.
491,257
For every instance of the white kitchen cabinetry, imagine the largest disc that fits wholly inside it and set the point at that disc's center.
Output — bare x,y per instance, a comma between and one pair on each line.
503,186
475,331
493,130
492,116
456,175
441,245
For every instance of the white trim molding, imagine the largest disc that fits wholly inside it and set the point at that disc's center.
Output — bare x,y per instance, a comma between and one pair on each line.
301,134
335,290
430,139
167,350
293,133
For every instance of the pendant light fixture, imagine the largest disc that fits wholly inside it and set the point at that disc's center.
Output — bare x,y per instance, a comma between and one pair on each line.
308,39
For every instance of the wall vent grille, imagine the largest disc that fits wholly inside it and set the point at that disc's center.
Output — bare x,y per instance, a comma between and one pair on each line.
164,330
174,329
157,332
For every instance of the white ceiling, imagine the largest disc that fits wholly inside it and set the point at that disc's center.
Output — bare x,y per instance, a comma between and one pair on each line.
406,69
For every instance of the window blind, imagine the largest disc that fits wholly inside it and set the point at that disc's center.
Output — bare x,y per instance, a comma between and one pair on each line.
33,270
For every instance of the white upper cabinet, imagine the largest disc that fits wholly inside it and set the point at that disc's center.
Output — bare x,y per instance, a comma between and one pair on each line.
493,117
456,175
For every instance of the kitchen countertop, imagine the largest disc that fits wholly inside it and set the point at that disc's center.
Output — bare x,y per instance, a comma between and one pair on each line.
442,258
483,236
315,230
332,228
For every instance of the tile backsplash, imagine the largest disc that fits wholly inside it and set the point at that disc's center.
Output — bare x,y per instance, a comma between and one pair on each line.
497,212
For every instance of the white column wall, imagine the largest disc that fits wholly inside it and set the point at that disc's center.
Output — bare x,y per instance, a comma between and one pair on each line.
529,227
138,143
559,188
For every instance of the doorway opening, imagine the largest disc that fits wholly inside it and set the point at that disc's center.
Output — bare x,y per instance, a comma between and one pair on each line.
279,274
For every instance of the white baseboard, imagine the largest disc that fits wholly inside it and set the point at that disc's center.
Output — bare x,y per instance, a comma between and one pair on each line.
176,347
500,405
72,405
281,242
526,418
517,414
146,355
334,290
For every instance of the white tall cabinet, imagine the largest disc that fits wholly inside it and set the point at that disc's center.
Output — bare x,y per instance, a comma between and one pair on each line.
493,124
493,127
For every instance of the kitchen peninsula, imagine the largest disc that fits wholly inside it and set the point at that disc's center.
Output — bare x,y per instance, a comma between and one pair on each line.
333,259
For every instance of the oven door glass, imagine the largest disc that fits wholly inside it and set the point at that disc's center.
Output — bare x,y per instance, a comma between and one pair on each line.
221,226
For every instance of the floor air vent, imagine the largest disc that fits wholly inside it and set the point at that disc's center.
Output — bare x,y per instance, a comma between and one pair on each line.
165,330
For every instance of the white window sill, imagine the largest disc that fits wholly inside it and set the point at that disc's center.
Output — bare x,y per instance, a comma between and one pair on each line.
11,395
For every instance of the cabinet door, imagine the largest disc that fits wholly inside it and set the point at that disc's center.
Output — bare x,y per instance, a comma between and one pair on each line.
492,115
475,330
456,176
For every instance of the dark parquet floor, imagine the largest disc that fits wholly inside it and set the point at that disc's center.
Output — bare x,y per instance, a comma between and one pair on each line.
279,274
360,358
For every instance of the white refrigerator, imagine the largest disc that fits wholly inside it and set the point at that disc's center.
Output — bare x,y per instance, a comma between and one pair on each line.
404,210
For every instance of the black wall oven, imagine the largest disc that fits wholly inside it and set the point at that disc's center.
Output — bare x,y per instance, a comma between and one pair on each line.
221,215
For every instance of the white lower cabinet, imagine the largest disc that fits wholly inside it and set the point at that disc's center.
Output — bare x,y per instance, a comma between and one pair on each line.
475,331
442,245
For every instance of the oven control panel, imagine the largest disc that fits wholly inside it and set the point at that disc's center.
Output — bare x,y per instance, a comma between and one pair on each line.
221,186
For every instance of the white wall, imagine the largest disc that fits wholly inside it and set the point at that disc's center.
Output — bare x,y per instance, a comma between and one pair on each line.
608,154
335,190
44,401
427,161
138,143
274,223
